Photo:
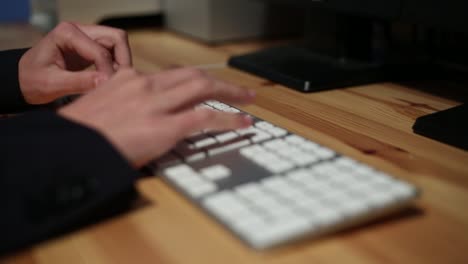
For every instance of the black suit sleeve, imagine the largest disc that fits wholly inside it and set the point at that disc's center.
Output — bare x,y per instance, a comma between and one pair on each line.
11,98
56,175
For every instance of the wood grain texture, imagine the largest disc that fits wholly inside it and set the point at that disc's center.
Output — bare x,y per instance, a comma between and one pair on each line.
370,123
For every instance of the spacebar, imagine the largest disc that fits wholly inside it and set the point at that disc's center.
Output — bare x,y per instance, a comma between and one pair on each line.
228,147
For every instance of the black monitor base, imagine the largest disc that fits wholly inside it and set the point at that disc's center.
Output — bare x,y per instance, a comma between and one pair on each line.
307,71
449,126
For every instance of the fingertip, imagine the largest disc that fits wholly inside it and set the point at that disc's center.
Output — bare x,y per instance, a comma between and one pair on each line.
246,96
252,94
249,96
246,121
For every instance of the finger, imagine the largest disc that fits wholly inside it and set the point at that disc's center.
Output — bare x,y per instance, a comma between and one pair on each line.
199,90
115,39
70,37
78,82
188,122
110,46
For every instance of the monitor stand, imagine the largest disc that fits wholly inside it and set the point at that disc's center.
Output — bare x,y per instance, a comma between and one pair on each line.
306,71
449,126
353,52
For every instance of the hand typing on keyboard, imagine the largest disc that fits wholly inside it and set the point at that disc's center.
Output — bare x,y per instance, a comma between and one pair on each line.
144,116
269,186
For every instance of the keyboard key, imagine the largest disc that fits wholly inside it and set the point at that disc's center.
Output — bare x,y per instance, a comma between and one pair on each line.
191,183
216,172
326,216
289,151
253,151
299,175
362,171
248,131
225,205
345,163
187,152
250,191
295,139
268,204
220,106
186,181
204,142
353,208
231,110
264,125
195,157
303,159
325,153
275,183
224,200
308,205
276,144
211,102
265,159
179,171
316,187
221,138
402,190
228,147
277,132
260,136
200,189
378,199
309,146
279,166
248,225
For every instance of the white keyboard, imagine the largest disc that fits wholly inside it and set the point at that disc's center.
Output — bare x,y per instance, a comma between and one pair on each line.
269,186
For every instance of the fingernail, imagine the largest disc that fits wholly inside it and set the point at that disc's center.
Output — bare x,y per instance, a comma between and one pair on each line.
247,120
252,93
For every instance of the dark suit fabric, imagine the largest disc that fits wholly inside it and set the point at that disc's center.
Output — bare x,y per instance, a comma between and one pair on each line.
55,175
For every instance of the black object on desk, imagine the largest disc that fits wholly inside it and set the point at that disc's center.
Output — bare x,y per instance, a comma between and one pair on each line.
150,20
308,71
449,126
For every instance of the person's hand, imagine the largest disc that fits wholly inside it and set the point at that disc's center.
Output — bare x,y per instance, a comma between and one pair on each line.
144,116
55,66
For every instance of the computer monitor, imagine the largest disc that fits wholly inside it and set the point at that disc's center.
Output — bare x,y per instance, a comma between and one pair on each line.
353,43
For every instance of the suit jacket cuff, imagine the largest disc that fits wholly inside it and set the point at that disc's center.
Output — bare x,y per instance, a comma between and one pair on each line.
57,175
11,97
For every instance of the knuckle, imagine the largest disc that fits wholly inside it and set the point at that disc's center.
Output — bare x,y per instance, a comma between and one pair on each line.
123,72
202,85
64,30
129,73
64,26
205,116
104,54
143,83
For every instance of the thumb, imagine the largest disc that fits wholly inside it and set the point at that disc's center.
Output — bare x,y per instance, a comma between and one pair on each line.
79,82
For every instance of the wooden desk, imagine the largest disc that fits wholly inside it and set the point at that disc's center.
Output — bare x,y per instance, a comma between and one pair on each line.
371,123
